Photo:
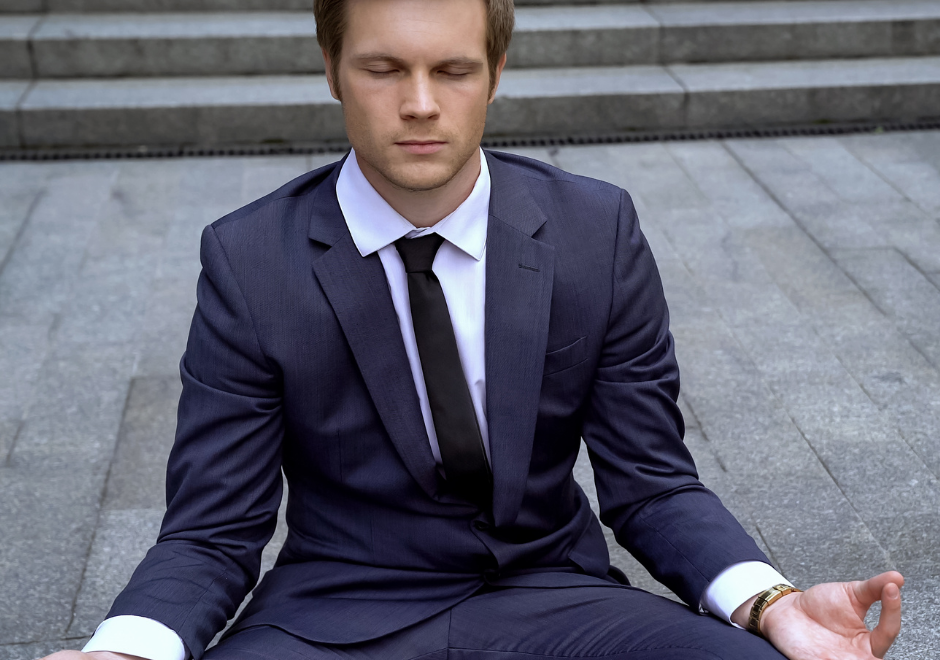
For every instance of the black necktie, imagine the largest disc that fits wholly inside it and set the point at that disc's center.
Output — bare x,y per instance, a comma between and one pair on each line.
458,432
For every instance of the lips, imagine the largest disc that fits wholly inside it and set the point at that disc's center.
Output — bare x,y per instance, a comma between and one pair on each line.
421,147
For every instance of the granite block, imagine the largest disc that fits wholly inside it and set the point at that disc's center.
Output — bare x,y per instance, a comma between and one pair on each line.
10,94
81,6
48,516
138,471
584,99
165,328
76,410
21,6
546,155
583,36
23,349
729,188
177,44
920,636
122,538
818,210
20,188
264,175
646,171
900,291
14,48
848,177
907,162
34,650
181,111
38,277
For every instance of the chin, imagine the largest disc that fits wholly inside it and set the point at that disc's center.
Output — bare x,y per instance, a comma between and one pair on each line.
421,176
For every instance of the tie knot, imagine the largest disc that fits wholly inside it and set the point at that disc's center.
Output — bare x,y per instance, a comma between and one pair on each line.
418,253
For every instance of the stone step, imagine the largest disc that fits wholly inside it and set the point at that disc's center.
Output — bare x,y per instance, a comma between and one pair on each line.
571,101
93,6
271,43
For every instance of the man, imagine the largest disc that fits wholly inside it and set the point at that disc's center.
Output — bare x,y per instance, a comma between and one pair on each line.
420,336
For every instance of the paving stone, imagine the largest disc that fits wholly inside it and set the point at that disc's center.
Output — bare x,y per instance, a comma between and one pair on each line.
908,161
9,429
546,155
19,189
821,213
920,636
75,414
266,174
48,517
35,650
110,293
38,277
845,175
892,372
14,49
901,292
209,189
122,538
784,354
69,45
138,471
858,444
10,94
22,350
162,338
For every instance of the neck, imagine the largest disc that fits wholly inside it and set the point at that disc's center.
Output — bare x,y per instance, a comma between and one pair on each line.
425,208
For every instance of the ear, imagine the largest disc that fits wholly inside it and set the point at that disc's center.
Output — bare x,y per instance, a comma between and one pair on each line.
499,71
327,62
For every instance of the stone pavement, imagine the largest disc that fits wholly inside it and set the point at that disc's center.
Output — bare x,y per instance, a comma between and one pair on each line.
803,277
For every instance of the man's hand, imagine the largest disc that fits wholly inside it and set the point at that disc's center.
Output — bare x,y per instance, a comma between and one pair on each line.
95,655
827,622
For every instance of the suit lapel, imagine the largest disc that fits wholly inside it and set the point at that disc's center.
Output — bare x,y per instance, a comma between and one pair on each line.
358,292
519,273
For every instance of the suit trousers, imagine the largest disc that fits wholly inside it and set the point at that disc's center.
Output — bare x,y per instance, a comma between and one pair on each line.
532,624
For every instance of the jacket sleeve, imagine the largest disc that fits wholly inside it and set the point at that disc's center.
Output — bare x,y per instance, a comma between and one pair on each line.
224,471
647,485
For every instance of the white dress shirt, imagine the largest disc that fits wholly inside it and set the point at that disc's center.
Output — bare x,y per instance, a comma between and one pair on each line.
460,265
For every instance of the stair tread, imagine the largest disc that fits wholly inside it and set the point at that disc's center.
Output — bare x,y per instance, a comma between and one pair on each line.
550,18
522,83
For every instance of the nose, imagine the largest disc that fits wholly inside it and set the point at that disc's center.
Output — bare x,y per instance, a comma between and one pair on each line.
419,101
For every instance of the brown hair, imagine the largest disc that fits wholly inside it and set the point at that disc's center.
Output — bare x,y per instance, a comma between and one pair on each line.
331,24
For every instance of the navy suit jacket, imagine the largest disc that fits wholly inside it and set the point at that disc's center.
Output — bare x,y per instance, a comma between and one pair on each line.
295,362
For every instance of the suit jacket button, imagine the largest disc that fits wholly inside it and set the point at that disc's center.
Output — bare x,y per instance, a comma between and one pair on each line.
481,525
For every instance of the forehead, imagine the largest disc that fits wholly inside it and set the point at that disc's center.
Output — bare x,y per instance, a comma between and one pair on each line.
416,29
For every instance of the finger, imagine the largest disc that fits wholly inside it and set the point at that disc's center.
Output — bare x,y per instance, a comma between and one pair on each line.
889,623
869,591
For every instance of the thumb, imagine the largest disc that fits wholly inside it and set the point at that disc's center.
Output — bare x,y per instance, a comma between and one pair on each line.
889,622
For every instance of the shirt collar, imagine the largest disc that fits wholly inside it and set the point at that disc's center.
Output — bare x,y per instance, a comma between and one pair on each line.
374,224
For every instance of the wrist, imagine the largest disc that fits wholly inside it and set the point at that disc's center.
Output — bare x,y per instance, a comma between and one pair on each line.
773,611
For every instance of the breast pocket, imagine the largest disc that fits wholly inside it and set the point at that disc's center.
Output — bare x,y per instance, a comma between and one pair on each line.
566,356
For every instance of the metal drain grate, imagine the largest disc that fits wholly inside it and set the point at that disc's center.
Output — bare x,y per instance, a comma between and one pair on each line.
185,151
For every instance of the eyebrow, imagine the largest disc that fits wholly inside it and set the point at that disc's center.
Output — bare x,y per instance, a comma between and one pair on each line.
385,57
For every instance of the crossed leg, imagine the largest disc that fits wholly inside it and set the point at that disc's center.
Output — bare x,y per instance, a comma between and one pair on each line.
578,623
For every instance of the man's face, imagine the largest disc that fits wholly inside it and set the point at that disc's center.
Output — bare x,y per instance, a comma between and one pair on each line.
415,86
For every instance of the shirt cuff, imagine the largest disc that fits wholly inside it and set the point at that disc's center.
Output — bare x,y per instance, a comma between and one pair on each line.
136,635
737,584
